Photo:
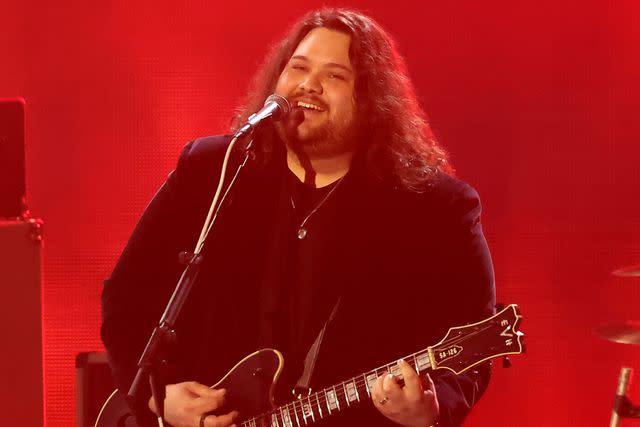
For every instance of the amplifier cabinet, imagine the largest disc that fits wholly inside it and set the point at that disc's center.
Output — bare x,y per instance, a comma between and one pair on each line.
21,323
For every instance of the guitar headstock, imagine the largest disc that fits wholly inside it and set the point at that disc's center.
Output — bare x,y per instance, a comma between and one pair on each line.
466,346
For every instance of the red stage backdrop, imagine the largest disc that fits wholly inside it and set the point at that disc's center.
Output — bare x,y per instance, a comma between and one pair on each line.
536,101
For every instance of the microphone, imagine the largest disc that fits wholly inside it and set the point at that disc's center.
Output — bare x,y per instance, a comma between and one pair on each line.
276,108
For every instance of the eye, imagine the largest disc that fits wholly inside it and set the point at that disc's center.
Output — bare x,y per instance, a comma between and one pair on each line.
298,67
336,76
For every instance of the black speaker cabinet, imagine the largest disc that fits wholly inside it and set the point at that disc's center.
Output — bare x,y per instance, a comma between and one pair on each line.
12,173
20,322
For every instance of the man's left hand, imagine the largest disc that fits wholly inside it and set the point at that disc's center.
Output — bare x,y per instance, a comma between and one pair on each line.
410,405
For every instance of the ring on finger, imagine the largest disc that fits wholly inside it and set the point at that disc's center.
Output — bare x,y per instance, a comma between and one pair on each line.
383,400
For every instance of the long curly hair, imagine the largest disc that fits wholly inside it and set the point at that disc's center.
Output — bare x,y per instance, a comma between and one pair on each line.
400,145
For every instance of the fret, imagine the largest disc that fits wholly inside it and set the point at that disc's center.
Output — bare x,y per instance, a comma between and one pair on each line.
307,410
319,407
346,395
335,393
366,384
355,387
286,417
332,399
422,361
371,382
295,412
326,400
310,406
415,364
274,420
362,387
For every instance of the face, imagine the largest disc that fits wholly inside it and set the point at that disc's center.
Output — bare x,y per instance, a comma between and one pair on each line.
318,80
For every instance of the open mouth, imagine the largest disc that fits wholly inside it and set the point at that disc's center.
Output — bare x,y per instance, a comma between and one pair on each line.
308,106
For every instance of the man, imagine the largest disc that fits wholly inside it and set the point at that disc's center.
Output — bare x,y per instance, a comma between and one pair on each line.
349,207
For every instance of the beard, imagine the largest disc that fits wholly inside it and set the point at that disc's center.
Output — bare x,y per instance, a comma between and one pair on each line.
331,138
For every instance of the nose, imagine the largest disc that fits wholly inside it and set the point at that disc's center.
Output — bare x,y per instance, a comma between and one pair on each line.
311,84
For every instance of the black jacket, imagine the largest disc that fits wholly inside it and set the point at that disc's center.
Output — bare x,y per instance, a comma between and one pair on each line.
408,265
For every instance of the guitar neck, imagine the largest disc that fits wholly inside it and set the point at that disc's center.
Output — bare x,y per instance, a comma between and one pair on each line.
324,403
460,349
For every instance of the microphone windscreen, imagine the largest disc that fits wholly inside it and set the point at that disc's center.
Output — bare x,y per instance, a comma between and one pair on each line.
283,106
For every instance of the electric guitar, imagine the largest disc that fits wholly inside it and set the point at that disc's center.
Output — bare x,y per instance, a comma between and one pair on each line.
251,382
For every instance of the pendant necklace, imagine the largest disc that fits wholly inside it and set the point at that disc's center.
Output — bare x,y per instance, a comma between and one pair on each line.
302,230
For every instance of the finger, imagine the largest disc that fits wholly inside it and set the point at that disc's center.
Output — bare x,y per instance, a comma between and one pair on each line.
211,403
429,383
430,395
225,420
152,405
377,395
412,385
199,389
376,391
391,388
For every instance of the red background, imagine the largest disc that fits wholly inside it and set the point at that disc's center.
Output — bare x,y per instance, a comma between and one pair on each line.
535,101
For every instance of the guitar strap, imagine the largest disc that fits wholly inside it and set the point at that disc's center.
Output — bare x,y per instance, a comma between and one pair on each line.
312,354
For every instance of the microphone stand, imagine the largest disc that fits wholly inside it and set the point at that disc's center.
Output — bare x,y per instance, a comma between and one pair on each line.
622,405
153,360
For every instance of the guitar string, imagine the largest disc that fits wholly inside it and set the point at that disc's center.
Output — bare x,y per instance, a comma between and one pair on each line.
356,381
359,381
319,399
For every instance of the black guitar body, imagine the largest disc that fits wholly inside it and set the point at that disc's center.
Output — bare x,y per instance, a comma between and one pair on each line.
250,384
250,387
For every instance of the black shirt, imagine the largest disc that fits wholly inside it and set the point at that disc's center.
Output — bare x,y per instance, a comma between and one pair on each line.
289,322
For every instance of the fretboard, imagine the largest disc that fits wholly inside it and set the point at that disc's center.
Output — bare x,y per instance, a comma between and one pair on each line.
322,404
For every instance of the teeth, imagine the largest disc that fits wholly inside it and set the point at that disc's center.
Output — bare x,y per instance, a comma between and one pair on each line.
310,106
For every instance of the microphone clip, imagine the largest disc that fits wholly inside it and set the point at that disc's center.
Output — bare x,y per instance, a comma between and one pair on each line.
625,408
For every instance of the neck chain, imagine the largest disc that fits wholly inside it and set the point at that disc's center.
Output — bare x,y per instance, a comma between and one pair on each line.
302,230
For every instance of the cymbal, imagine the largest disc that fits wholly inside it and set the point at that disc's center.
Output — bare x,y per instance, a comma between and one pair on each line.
627,332
631,271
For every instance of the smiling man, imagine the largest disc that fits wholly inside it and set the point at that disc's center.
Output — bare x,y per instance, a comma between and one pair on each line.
346,244
320,82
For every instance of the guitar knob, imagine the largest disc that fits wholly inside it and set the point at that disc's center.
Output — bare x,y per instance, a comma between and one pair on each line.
506,363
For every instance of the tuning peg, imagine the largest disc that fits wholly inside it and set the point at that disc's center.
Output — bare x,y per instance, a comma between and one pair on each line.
506,363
